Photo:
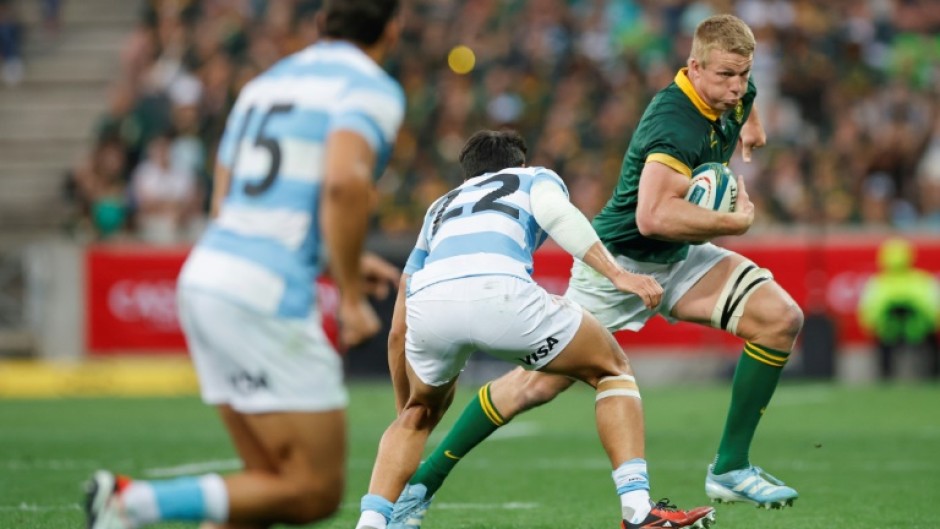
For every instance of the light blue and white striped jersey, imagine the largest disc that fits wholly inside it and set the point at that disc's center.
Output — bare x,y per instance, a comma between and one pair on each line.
483,227
263,249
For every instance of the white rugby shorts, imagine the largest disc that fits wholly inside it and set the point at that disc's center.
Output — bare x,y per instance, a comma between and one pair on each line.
617,310
504,316
259,363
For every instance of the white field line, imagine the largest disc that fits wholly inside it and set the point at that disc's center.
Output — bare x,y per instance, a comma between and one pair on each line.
49,464
454,506
198,467
458,506
515,430
31,507
512,430
509,506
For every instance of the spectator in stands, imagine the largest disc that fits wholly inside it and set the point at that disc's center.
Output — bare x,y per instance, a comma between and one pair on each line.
97,188
928,180
10,40
188,150
844,80
929,200
51,16
123,121
166,199
900,306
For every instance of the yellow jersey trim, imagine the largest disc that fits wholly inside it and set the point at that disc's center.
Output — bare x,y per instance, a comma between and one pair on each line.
685,84
671,162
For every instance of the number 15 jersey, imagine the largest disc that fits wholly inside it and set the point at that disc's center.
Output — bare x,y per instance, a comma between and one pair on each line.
263,250
483,227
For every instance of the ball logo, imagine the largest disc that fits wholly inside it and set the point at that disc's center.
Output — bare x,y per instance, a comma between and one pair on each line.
713,186
151,302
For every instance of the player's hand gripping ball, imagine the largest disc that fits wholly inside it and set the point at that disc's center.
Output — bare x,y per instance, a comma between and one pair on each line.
713,186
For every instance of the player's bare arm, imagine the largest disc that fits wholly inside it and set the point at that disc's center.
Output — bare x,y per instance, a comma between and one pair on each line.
743,202
644,286
396,347
752,135
379,275
663,212
221,179
568,227
348,199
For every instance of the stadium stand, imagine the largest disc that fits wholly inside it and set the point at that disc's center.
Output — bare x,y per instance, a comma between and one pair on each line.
846,88
45,119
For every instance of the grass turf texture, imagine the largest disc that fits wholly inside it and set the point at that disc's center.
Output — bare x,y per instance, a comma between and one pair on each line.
861,457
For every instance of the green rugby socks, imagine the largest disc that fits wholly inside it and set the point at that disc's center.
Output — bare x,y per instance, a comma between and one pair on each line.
478,420
755,380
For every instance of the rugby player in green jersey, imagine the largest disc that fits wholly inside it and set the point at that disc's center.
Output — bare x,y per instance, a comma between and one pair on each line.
650,228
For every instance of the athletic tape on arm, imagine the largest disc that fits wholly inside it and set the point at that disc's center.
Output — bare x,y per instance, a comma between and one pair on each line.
560,219
741,284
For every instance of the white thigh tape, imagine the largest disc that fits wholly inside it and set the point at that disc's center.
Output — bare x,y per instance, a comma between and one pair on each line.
741,284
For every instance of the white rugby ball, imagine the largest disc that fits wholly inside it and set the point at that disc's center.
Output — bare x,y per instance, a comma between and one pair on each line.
713,186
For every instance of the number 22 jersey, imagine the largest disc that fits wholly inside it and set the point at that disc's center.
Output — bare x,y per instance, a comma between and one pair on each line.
483,227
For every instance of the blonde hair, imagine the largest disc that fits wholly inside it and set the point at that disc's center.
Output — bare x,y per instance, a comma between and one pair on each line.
722,32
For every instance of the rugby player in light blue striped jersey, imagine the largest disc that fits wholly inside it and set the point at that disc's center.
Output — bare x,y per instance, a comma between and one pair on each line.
469,288
294,175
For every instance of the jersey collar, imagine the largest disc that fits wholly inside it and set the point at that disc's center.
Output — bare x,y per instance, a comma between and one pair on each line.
684,84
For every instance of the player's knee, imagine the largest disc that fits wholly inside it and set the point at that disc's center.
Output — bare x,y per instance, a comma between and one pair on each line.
419,415
787,320
396,339
315,500
521,390
615,365
541,389
793,318
323,505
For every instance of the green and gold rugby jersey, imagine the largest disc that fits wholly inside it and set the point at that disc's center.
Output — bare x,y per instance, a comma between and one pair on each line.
679,130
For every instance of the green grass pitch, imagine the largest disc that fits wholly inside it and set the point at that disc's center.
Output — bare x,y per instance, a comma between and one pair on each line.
861,457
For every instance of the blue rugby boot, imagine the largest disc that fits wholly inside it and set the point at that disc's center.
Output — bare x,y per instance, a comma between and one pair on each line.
750,485
410,508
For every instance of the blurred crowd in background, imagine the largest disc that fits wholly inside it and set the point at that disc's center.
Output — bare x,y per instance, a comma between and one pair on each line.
847,91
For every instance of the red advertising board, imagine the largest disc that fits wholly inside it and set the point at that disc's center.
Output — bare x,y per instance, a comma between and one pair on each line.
131,291
130,300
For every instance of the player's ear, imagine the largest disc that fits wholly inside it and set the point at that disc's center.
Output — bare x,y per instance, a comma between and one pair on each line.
320,23
392,33
693,64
